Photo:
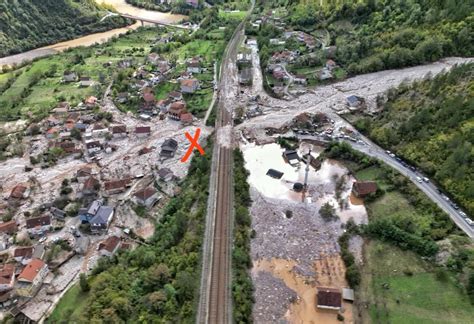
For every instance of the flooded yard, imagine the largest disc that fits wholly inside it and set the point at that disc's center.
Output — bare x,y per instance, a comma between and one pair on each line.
295,250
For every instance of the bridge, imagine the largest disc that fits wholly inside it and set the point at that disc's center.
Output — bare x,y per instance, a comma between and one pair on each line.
151,21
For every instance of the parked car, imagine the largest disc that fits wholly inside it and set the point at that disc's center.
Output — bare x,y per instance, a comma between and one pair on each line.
463,214
419,179
469,221
425,179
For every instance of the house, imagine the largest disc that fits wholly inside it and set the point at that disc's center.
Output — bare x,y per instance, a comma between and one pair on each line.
300,79
147,197
142,131
62,109
57,213
99,130
38,225
176,110
328,298
85,82
19,192
168,148
69,76
109,246
245,76
116,186
156,59
31,278
83,174
93,147
90,102
194,67
119,131
279,74
149,101
90,186
362,189
354,102
165,174
125,64
244,59
274,174
186,118
10,227
325,74
175,96
330,65
185,75
23,255
291,157
101,220
7,277
163,105
189,85
86,214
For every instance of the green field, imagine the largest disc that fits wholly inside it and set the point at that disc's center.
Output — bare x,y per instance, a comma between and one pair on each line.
400,287
71,306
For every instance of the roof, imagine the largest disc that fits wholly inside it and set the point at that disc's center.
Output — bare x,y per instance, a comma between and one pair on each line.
103,215
94,207
31,270
189,82
162,173
38,221
175,94
353,99
8,227
170,143
194,64
146,193
25,251
186,118
364,187
93,144
348,294
90,100
118,129
142,129
116,184
274,173
177,106
6,273
291,155
90,183
148,97
329,297
18,191
110,244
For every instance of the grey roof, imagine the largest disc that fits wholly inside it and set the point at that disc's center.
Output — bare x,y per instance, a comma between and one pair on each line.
348,294
38,251
170,144
103,215
94,207
353,99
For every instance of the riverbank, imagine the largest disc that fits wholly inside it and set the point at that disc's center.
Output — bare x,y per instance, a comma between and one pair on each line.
97,38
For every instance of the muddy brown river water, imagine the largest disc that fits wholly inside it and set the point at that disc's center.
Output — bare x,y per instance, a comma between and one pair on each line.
121,6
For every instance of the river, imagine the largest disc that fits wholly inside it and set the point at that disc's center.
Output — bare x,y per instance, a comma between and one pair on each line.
121,6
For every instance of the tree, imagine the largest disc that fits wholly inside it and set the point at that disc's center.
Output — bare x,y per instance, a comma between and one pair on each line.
470,287
327,212
83,283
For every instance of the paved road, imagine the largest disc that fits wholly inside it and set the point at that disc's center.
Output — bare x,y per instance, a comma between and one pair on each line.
215,303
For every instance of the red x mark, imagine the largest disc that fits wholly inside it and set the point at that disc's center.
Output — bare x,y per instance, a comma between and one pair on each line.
194,143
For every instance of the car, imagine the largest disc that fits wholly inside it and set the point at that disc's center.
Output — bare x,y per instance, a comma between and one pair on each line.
388,152
463,214
412,168
419,179
41,240
425,179
392,155
469,221
445,197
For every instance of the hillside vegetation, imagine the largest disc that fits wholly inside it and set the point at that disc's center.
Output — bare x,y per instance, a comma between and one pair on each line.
431,124
371,35
29,24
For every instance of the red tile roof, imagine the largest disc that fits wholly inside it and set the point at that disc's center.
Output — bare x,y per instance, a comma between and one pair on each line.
110,244
6,273
8,227
142,129
18,191
25,251
146,193
30,272
38,221
363,188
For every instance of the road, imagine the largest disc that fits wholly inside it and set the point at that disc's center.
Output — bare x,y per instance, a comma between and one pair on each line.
428,188
215,303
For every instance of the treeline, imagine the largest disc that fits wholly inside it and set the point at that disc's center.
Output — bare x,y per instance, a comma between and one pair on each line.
157,282
242,288
430,124
376,35
29,24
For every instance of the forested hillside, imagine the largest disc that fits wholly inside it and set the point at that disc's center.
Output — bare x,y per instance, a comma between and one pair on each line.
29,24
370,35
431,124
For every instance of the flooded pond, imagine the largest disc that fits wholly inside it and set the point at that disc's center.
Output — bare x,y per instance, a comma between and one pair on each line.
321,183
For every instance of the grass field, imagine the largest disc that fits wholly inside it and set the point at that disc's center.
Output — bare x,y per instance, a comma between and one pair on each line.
70,307
400,287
